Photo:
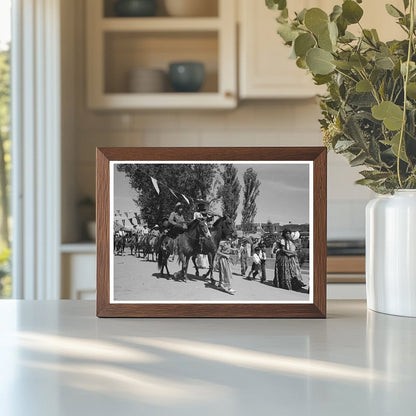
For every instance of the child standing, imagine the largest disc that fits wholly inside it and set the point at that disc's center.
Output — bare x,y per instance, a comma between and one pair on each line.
255,267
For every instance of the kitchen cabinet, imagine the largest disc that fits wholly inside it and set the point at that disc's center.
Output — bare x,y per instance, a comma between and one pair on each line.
118,45
265,69
78,263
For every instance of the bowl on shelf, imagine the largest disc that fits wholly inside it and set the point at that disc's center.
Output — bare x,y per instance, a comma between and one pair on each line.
135,8
191,8
186,76
147,81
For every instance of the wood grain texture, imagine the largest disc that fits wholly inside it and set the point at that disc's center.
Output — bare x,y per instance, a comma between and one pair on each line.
346,264
317,309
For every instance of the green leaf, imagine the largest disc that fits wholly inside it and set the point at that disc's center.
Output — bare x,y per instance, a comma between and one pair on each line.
358,61
374,175
319,61
321,79
316,20
406,4
325,42
411,90
301,63
393,11
342,25
287,33
301,15
276,4
358,160
388,112
363,86
344,65
303,43
336,12
394,145
384,62
347,37
375,35
351,11
343,145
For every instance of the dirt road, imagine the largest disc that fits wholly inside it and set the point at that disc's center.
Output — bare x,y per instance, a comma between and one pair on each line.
139,280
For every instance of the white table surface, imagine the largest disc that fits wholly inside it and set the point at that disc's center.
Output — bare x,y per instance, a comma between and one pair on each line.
57,358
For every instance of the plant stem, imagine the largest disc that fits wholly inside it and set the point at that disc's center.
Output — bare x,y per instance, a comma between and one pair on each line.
406,80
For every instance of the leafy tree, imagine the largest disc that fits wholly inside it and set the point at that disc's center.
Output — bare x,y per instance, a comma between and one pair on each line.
192,180
229,191
250,193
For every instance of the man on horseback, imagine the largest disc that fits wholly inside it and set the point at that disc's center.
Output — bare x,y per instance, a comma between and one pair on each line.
177,221
201,214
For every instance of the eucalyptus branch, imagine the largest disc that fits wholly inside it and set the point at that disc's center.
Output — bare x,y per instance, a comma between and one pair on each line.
406,80
346,75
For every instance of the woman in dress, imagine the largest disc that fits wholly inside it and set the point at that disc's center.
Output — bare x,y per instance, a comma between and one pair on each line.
288,271
201,214
223,255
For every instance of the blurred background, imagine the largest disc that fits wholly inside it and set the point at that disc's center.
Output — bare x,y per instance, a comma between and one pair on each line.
96,73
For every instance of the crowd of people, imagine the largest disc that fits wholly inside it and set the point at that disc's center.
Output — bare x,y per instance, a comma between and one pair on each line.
252,258
251,253
287,271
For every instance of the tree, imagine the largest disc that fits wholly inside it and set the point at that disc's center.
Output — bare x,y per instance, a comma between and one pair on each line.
174,180
250,193
229,191
4,142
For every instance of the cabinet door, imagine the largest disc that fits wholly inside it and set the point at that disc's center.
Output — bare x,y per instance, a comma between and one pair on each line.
265,68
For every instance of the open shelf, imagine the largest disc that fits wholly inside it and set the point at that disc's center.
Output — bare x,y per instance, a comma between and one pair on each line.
211,10
119,45
126,51
160,24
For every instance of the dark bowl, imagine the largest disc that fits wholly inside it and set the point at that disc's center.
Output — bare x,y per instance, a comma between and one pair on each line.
135,8
186,76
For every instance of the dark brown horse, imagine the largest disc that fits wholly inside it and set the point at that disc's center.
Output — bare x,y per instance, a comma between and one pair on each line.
188,243
165,250
222,229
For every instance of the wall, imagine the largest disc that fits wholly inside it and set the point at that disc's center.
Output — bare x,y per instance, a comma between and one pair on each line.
253,123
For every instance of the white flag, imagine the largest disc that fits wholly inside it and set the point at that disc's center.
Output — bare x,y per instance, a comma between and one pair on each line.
154,182
186,199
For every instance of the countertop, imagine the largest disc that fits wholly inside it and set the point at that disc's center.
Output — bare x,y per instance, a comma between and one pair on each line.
57,358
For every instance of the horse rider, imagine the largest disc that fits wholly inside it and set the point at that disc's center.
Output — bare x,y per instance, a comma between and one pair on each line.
155,232
201,214
177,221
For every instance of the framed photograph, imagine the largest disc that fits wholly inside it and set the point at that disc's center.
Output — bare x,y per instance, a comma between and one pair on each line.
211,232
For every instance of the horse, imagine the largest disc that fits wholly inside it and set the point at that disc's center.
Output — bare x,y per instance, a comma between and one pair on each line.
150,245
119,242
187,245
165,250
222,229
131,241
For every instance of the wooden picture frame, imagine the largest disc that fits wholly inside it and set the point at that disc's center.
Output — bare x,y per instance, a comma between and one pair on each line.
314,157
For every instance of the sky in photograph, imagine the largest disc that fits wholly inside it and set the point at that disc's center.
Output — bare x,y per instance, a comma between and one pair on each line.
284,192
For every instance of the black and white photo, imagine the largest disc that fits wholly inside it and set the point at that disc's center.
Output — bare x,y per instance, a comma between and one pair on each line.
207,231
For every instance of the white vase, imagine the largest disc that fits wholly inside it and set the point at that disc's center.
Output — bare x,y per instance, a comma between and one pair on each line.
391,253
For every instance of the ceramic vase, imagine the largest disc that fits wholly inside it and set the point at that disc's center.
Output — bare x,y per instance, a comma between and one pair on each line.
391,253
